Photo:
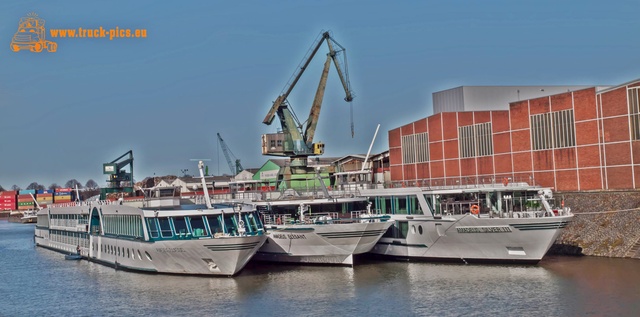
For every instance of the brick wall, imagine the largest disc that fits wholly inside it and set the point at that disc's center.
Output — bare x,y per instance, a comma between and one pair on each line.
604,156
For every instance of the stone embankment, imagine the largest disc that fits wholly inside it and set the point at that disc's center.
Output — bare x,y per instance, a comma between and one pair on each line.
605,224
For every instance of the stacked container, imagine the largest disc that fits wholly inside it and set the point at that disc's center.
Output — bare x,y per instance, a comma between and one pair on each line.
25,199
8,200
62,195
44,197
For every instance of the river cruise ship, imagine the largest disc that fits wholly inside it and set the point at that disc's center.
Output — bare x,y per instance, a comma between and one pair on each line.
314,227
505,222
155,235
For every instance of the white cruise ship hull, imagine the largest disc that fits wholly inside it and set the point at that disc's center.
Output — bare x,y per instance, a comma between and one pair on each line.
220,255
467,238
320,243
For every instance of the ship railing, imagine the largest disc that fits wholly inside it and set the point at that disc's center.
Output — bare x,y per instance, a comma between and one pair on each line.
276,219
86,203
323,218
467,182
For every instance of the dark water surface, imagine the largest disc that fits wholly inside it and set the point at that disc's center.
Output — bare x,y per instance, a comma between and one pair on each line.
39,282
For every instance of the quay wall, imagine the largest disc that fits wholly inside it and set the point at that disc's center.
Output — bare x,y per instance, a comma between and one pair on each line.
605,224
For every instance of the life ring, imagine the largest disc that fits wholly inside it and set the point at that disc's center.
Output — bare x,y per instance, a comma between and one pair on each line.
505,181
475,209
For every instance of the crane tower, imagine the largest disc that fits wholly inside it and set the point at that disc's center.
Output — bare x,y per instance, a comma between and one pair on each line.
295,140
235,168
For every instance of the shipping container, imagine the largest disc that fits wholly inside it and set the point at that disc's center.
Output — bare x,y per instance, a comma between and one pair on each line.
59,190
45,191
8,193
25,204
27,191
44,195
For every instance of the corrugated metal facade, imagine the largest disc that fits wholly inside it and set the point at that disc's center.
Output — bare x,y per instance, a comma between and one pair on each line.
481,98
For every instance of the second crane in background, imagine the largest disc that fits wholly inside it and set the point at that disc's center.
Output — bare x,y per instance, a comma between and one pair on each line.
235,168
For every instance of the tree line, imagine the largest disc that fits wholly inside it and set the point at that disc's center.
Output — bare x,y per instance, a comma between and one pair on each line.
72,183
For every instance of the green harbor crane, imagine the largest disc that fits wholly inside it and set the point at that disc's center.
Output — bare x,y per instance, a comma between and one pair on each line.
234,168
296,139
119,180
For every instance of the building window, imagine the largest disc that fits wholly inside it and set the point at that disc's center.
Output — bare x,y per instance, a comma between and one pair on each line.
553,130
475,140
634,113
415,148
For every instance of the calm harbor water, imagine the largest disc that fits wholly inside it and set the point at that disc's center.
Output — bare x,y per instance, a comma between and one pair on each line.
39,282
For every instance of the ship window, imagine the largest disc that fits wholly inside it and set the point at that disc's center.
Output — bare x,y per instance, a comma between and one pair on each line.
180,224
253,221
148,255
128,254
198,227
420,229
404,229
401,206
413,229
229,224
153,227
165,227
214,224
139,255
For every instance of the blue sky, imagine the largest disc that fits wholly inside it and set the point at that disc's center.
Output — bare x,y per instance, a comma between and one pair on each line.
216,66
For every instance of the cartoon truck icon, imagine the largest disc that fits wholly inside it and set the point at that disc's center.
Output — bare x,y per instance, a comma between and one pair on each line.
31,35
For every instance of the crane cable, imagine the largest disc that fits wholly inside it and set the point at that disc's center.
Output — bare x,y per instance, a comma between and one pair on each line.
351,112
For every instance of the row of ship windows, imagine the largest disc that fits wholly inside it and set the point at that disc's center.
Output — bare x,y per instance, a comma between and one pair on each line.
202,226
69,238
66,220
124,225
122,252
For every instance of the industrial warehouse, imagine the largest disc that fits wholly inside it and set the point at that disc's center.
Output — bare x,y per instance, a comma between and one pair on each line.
570,138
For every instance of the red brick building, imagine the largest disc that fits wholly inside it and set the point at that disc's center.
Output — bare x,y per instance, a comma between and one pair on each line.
586,139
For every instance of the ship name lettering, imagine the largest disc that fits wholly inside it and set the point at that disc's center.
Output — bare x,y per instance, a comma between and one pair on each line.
290,236
169,250
483,229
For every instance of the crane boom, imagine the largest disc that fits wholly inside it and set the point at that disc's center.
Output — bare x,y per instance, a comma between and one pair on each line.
235,168
296,139
300,70
314,113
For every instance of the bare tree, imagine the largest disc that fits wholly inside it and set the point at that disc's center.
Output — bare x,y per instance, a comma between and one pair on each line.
53,186
15,187
33,185
1,188
91,184
72,183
